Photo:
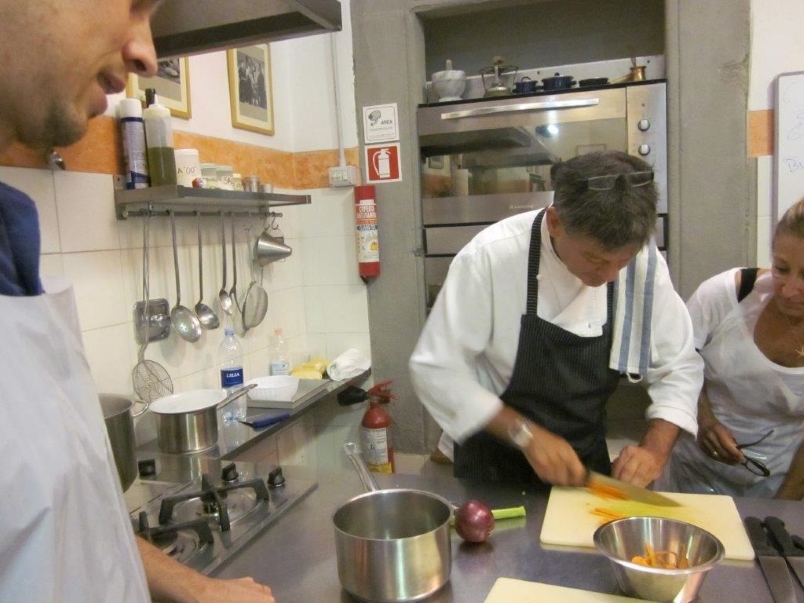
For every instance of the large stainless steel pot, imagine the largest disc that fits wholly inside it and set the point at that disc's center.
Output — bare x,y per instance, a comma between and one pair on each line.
392,545
188,421
120,426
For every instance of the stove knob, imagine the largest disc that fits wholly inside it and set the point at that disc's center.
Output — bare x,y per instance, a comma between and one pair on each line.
146,468
229,473
275,478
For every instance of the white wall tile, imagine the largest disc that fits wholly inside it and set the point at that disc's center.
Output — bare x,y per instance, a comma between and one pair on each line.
85,205
99,291
110,358
51,265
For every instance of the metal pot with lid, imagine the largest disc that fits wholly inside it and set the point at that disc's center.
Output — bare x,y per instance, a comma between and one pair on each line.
558,82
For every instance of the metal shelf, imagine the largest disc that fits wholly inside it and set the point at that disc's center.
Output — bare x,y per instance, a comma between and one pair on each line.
188,201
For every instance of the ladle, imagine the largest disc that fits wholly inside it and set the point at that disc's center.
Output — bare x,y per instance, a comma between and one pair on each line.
183,320
233,290
223,295
206,315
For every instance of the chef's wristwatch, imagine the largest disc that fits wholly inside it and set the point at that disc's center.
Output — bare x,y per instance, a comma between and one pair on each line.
521,433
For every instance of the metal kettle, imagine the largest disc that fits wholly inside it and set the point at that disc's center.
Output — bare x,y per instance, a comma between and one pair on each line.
494,86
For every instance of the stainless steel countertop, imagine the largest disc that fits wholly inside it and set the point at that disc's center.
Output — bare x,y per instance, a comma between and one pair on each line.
296,555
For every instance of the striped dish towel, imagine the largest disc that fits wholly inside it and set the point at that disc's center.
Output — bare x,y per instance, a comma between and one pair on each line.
633,308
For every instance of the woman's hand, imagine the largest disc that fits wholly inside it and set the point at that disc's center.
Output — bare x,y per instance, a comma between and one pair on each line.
715,439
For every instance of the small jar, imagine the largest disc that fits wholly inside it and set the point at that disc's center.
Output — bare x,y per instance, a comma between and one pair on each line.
209,172
237,182
225,177
252,184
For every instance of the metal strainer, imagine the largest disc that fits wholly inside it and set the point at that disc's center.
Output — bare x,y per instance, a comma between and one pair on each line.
255,302
151,380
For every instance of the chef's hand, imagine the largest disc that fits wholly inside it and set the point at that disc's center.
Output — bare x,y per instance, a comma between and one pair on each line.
239,590
640,465
717,442
553,459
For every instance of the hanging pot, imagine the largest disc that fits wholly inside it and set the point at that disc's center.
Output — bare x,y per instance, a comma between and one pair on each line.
558,82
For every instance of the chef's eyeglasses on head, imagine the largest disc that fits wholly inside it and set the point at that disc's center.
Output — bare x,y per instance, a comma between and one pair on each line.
607,182
755,466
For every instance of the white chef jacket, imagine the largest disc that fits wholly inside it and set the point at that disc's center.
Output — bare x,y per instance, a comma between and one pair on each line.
65,534
748,393
465,355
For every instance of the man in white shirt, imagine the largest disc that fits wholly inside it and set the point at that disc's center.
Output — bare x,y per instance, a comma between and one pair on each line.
515,360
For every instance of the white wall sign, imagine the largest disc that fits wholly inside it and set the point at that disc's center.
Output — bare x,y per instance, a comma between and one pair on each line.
380,123
789,169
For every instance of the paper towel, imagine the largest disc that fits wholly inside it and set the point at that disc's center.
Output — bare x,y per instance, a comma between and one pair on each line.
349,364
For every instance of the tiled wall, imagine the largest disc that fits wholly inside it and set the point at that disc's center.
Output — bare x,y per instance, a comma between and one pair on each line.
315,295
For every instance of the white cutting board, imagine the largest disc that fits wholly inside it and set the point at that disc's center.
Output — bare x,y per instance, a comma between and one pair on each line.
508,590
568,520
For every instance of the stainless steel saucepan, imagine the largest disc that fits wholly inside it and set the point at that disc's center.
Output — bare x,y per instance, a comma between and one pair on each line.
392,545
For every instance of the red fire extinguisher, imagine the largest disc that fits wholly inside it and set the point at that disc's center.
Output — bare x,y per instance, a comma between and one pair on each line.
368,241
374,430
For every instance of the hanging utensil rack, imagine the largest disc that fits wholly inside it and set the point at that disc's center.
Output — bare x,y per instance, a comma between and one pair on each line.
160,200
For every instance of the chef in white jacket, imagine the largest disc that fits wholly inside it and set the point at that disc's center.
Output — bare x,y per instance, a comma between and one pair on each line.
65,535
539,316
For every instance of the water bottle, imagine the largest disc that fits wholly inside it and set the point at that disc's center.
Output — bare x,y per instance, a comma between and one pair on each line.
279,363
230,361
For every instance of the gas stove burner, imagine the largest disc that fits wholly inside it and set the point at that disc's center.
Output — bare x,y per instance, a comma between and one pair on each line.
239,503
225,504
180,541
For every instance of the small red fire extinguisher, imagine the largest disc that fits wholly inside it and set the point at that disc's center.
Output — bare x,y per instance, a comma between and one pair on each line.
374,430
368,241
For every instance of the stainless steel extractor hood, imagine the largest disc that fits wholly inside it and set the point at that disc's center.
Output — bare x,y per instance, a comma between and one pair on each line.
185,27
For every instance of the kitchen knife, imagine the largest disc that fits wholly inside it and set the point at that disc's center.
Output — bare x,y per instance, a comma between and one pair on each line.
781,539
626,491
265,420
773,565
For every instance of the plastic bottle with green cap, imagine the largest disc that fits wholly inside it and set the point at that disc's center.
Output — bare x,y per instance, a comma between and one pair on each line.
159,140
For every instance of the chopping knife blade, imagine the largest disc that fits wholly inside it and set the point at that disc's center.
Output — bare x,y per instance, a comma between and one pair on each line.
781,539
774,567
628,491
265,420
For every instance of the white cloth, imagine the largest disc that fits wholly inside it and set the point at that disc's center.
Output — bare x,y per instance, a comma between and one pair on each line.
349,364
633,301
748,393
65,534
465,355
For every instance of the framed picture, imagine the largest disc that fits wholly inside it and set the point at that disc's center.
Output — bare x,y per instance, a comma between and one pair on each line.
250,93
172,85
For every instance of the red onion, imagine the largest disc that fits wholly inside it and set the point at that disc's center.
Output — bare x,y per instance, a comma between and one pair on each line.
474,521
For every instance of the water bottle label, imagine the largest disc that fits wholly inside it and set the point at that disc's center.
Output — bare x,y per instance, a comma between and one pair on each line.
231,377
280,367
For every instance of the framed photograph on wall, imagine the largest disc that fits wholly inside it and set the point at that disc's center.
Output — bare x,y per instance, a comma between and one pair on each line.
172,85
250,92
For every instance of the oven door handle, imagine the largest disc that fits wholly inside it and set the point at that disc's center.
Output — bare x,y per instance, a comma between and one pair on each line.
515,108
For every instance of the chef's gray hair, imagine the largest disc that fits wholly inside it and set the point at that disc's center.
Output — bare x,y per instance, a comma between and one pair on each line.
792,221
624,215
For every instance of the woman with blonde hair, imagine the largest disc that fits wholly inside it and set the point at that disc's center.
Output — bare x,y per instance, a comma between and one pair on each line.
749,329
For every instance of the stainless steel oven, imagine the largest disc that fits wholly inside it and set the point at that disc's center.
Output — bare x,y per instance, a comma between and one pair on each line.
486,159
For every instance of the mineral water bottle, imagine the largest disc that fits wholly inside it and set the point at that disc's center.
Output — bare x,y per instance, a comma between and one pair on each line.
230,361
279,363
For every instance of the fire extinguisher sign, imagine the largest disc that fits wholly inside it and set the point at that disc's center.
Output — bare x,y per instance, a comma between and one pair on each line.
382,163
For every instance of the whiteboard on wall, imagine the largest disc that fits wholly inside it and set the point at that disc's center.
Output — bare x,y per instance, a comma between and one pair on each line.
789,152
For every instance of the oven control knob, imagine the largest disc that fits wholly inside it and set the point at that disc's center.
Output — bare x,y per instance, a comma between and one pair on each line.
275,478
643,125
644,149
146,468
229,473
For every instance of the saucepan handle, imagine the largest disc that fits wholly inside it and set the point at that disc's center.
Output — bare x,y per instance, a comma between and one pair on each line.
354,454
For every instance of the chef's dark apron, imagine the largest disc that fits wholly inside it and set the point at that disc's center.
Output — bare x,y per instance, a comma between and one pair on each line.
561,381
